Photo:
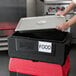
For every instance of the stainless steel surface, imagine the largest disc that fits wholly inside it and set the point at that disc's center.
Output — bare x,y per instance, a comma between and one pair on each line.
40,8
3,39
3,48
57,1
31,8
12,3
53,6
43,22
3,43
10,12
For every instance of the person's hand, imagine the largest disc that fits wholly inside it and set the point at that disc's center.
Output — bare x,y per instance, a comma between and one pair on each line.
63,26
60,13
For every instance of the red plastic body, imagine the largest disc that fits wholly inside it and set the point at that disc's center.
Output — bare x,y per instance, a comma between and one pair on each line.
38,68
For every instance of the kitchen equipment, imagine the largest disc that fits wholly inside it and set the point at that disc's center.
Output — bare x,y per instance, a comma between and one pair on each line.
36,23
36,38
53,6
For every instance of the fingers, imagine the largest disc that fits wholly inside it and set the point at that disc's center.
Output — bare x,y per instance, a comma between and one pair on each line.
59,13
60,27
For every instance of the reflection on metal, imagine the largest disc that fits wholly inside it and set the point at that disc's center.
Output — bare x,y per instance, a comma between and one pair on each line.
53,6
3,44
31,8
10,13
37,23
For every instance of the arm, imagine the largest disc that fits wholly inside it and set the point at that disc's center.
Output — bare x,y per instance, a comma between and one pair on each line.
65,25
72,20
69,8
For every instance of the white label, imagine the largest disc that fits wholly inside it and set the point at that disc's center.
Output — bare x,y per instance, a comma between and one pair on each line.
45,47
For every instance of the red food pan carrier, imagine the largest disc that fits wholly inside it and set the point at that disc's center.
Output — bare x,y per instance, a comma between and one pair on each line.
36,38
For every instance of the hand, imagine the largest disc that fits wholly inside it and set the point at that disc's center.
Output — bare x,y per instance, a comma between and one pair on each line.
63,26
60,13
